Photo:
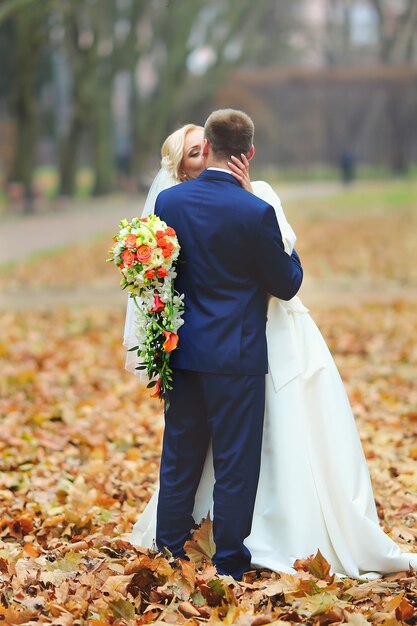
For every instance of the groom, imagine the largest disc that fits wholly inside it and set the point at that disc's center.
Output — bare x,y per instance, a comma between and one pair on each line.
232,257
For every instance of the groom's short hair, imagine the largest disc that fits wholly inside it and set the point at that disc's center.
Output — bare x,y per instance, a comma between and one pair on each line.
229,132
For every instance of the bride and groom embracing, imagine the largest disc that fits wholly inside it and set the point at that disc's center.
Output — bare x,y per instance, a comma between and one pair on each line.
259,429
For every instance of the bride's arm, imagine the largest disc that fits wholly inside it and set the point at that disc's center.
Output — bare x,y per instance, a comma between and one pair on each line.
240,170
264,191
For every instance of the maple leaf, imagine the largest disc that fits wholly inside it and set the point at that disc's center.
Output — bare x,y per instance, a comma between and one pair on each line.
123,608
309,586
286,583
201,547
213,592
357,619
158,565
317,565
116,586
320,603
405,611
188,572
30,550
188,610
69,563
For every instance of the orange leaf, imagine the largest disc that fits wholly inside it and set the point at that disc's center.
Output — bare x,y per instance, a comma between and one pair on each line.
188,610
394,602
188,572
405,611
158,565
317,565
30,550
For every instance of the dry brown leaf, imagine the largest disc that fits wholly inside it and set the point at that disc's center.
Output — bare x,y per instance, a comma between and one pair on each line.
201,547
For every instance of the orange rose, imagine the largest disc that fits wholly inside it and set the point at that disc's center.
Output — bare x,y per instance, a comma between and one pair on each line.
166,252
159,234
128,257
143,219
171,341
144,253
150,274
162,272
131,241
158,305
162,243
122,266
170,232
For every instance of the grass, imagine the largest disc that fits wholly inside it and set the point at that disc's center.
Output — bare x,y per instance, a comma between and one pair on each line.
320,172
47,182
364,232
361,199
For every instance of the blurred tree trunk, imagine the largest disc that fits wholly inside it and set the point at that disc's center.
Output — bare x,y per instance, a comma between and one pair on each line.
94,60
397,40
68,156
152,118
398,130
80,57
103,151
173,31
105,17
30,34
397,36
10,6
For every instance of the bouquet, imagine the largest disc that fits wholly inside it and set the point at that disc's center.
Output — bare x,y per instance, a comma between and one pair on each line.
145,250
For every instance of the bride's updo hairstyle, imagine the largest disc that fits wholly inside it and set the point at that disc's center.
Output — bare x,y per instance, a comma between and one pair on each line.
172,150
229,132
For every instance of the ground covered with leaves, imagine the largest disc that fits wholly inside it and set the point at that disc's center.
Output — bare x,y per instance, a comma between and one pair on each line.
80,446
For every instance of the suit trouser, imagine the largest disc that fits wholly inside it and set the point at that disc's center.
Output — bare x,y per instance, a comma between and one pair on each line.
229,409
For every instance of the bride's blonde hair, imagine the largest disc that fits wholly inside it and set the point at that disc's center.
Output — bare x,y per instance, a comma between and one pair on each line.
172,150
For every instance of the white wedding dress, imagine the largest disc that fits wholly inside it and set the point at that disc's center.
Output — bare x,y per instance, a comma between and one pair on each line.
314,487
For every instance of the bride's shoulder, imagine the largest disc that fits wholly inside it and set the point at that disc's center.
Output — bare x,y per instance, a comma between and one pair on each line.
263,190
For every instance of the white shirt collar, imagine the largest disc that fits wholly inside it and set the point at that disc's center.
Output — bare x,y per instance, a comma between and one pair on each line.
220,169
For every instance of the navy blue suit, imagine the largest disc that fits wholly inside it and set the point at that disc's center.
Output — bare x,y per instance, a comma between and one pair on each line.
232,257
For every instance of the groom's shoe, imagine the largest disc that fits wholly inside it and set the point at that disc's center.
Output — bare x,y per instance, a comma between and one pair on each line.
235,571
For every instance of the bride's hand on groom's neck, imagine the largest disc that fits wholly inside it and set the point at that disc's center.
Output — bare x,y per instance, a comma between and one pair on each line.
240,170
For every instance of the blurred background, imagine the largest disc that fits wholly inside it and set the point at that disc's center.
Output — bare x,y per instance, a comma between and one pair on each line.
89,89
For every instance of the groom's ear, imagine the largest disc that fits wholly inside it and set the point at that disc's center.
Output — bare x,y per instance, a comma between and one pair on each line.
205,148
251,153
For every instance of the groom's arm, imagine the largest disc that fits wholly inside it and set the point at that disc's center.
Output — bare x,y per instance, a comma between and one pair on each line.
280,274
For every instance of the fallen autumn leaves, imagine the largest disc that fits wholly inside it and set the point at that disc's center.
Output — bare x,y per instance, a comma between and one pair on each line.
80,439
80,447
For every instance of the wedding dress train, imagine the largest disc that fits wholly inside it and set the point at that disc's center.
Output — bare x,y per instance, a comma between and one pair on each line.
314,487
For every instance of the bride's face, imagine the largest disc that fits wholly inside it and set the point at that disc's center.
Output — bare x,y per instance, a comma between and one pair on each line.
192,161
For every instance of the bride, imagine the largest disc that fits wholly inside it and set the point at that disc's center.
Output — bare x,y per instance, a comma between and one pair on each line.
314,488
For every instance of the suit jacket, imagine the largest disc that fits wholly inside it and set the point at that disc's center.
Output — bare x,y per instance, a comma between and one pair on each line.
232,257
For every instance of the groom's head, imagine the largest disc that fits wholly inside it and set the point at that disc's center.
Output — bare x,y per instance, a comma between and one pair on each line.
227,132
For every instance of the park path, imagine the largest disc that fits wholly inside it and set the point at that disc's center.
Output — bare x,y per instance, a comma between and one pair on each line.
24,235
